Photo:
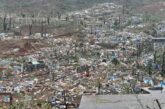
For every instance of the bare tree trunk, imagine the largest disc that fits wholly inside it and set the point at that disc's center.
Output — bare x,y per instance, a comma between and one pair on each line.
4,23
42,28
13,25
59,15
65,101
10,22
30,29
48,20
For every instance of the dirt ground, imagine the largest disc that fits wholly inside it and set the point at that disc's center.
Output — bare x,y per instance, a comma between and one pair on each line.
23,46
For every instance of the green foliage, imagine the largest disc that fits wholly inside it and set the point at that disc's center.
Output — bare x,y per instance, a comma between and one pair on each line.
162,73
128,23
98,84
115,61
158,57
126,89
19,105
116,24
46,106
146,17
82,68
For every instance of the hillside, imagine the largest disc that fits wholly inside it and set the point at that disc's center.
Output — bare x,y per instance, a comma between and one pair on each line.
54,6
45,6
